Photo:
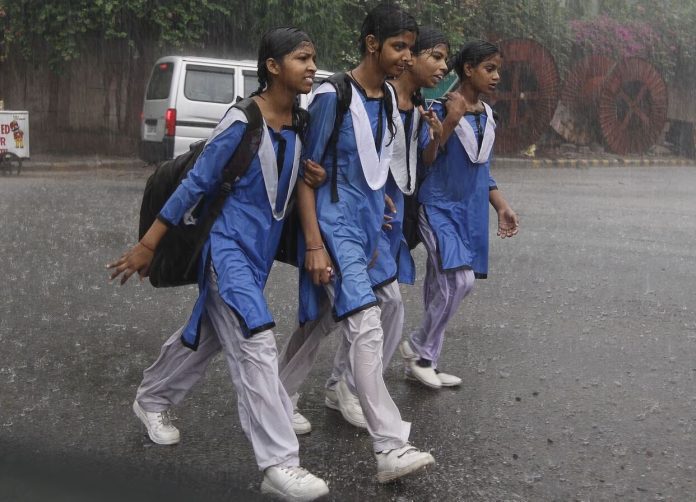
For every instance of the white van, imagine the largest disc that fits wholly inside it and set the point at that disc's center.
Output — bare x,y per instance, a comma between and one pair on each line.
187,96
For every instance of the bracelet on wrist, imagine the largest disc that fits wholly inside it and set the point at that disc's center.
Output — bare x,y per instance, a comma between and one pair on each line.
146,247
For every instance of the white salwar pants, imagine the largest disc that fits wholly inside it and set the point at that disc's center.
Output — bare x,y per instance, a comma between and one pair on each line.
265,410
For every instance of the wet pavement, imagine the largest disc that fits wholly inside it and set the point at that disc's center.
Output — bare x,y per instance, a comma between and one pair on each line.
577,355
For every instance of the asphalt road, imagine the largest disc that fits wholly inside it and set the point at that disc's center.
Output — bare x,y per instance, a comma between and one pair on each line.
577,354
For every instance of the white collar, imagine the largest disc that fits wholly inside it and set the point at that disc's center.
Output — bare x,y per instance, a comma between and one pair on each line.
467,137
375,166
401,170
267,158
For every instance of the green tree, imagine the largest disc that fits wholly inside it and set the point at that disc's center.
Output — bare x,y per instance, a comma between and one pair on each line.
57,29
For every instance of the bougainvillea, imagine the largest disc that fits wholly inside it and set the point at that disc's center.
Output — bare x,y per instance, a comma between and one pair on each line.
610,37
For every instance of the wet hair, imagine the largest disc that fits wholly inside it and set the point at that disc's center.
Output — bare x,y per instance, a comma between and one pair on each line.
428,38
385,21
472,53
277,43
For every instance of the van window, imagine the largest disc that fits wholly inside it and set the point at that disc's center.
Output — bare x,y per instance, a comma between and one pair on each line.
160,82
209,83
251,82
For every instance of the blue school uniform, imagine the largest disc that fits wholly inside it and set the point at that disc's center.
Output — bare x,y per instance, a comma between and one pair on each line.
351,227
244,238
455,197
393,249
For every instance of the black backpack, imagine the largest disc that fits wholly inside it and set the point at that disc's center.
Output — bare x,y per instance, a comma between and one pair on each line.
409,226
177,255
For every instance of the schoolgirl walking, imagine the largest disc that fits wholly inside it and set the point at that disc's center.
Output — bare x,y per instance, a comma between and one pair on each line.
342,223
394,264
231,315
454,197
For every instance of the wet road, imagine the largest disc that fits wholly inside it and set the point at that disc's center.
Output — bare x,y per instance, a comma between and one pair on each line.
578,355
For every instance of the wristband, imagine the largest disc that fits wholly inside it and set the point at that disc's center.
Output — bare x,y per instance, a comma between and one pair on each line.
146,247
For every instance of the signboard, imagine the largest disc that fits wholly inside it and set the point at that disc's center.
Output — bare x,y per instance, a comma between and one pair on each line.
14,133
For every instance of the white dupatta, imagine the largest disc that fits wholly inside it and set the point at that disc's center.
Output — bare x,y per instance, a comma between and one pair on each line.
401,170
267,158
467,137
375,166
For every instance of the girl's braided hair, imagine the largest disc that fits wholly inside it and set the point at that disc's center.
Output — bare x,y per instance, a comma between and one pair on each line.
275,44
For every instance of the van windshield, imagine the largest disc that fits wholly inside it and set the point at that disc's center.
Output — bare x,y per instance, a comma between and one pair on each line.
160,82
209,83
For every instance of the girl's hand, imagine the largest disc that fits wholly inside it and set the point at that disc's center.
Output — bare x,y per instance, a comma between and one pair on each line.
318,264
508,223
434,124
314,174
136,259
456,105
390,207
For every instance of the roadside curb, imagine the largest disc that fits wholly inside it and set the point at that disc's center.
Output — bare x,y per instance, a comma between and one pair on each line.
82,164
498,162
579,163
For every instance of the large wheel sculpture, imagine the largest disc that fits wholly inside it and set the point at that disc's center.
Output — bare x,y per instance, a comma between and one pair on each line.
576,117
632,107
527,94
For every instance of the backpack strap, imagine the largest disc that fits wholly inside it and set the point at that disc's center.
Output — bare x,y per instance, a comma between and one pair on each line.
236,168
344,94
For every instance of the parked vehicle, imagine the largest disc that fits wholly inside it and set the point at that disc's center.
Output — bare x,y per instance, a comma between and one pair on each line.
187,96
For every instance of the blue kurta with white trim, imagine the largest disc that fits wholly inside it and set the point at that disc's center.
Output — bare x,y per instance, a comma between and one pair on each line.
351,227
393,249
455,195
244,238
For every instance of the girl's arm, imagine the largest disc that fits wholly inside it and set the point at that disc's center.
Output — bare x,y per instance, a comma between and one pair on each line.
455,108
317,261
203,178
138,258
322,116
508,222
434,138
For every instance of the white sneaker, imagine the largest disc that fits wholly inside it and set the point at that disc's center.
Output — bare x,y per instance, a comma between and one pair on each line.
300,424
349,406
407,351
292,483
159,426
425,375
330,399
393,464
447,380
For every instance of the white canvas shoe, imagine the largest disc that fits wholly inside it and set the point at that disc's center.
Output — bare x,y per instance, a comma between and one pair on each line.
394,464
293,483
407,351
447,380
424,375
349,406
159,426
300,424
330,399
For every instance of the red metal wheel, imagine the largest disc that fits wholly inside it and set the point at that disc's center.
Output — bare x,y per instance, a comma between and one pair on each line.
632,106
576,117
527,94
